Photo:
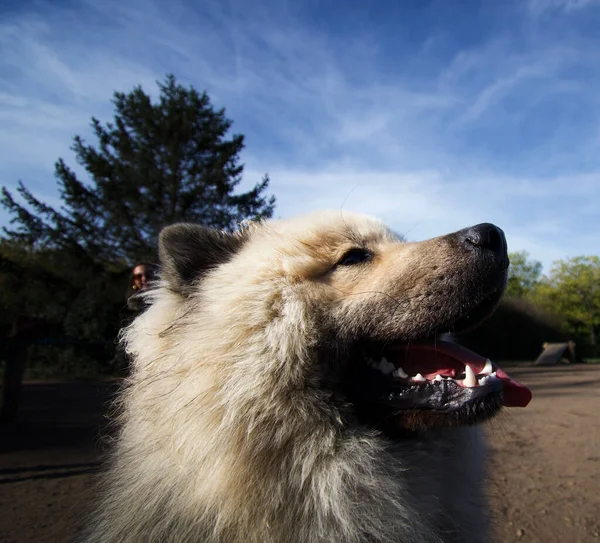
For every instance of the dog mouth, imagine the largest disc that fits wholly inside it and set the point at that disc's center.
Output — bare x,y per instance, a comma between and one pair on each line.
430,382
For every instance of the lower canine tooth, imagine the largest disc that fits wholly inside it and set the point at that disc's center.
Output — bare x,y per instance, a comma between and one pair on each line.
419,378
470,380
438,377
483,380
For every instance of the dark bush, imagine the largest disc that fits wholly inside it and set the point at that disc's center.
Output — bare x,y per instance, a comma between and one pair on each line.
516,331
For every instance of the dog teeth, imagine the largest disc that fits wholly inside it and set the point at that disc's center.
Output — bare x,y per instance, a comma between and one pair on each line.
386,367
470,380
487,369
399,372
438,377
419,378
382,365
483,380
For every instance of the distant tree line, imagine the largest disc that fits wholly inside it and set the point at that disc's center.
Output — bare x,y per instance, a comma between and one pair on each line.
564,304
571,291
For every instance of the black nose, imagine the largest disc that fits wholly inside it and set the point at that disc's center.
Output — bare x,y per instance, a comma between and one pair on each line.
485,236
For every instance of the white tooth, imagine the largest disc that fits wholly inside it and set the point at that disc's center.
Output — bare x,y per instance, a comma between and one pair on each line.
483,380
470,380
487,369
399,372
494,375
438,377
386,367
419,378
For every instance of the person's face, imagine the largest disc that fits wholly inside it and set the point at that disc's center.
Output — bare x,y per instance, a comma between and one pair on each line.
140,277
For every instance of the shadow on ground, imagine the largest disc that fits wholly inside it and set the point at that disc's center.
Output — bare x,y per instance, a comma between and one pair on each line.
49,459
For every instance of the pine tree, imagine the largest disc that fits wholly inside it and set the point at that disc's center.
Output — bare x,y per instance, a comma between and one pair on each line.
158,162
155,164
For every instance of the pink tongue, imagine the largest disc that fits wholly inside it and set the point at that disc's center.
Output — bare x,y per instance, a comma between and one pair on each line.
444,357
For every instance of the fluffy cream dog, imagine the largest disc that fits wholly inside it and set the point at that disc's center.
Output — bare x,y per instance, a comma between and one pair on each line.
288,386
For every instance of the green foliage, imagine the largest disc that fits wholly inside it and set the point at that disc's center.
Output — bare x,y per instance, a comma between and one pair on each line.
573,291
157,163
524,275
35,282
516,331
52,361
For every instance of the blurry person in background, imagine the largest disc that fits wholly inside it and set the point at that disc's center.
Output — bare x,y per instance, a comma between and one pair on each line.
139,281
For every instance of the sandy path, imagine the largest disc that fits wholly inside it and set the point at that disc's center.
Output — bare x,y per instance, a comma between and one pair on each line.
545,476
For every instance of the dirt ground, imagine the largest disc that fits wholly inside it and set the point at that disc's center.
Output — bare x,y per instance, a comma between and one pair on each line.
545,460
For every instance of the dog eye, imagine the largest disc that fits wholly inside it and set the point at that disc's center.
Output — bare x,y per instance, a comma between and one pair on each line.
354,256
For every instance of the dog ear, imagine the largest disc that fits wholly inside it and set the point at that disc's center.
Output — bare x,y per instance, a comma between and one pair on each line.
187,251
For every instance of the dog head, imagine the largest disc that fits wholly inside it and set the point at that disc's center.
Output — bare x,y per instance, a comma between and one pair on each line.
339,307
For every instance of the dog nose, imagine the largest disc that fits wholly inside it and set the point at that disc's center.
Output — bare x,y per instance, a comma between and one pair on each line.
485,236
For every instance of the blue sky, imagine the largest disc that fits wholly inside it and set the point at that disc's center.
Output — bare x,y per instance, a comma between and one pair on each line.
430,115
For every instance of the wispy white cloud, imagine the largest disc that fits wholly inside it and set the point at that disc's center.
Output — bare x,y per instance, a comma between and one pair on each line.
540,6
424,204
431,129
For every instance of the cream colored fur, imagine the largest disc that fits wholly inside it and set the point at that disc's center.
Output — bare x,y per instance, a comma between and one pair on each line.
227,431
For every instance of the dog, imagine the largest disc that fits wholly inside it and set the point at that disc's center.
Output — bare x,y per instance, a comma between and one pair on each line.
288,384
